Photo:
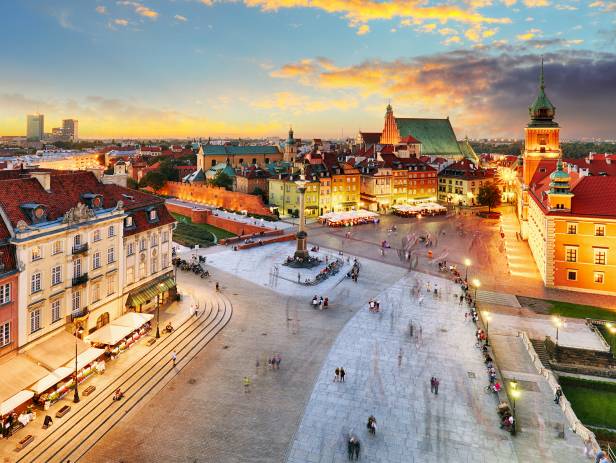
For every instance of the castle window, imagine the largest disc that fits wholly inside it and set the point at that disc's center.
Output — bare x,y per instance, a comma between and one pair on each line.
572,275
571,253
599,277
600,256
599,230
572,228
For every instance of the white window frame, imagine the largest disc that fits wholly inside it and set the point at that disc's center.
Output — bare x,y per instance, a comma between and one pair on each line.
5,293
76,301
35,320
595,252
96,236
599,276
111,231
56,247
572,224
96,292
110,255
575,272
143,243
77,270
36,253
130,249
36,282
56,311
571,248
5,334
600,226
56,275
96,260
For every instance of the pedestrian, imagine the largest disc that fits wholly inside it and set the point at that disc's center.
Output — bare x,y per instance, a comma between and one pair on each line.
246,384
411,328
299,277
351,448
342,374
217,287
465,316
432,384
436,383
400,358
557,395
588,448
461,298
197,310
357,449
277,359
337,377
174,357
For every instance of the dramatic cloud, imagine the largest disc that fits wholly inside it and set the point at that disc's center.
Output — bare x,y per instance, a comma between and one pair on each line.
361,12
483,92
140,9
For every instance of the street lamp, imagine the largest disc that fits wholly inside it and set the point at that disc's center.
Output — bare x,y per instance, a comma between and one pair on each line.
487,317
612,329
476,284
467,263
515,395
558,323
76,396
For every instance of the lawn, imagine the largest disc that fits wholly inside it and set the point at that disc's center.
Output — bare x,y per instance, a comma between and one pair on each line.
568,309
594,402
189,234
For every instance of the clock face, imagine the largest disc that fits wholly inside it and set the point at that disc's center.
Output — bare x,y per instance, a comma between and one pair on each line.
97,202
38,212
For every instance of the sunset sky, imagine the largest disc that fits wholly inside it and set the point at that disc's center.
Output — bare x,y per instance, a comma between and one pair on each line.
190,68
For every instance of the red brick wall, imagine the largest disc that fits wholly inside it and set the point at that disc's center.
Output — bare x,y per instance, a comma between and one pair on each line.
205,216
215,196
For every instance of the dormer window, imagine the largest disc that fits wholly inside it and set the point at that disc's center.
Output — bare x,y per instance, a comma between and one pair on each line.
37,213
92,200
152,215
129,222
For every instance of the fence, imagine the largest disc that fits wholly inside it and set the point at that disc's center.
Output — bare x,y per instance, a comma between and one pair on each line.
574,423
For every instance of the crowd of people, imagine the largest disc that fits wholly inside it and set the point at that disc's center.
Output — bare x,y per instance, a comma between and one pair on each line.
320,302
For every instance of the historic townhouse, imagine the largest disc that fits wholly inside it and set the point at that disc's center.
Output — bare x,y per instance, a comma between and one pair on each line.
9,321
67,230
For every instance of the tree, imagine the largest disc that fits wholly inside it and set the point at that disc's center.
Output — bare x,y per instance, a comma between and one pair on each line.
152,179
489,195
222,180
132,183
259,192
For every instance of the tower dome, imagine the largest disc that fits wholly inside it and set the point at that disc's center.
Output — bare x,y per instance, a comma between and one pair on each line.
542,111
559,179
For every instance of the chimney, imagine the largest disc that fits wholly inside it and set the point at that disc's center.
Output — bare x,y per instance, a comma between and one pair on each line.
44,178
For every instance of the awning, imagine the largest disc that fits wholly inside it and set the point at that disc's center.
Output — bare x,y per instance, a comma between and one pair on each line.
86,358
109,334
51,380
142,295
56,351
133,320
21,397
17,374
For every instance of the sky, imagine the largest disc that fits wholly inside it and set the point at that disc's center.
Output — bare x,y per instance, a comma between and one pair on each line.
198,68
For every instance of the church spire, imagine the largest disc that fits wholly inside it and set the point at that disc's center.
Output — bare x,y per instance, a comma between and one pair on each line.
541,79
542,111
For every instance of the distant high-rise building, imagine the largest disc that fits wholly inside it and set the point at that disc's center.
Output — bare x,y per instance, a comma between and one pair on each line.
35,127
70,129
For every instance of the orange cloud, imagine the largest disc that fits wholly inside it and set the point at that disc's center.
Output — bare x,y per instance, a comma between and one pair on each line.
531,34
360,12
140,9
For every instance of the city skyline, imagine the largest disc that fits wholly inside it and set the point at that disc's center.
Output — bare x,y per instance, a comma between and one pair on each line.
186,69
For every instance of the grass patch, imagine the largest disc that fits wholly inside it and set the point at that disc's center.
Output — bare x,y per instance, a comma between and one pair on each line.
189,234
568,309
594,402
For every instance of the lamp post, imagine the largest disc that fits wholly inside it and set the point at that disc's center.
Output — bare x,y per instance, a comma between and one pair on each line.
487,317
612,329
558,323
157,316
476,284
76,396
467,264
515,395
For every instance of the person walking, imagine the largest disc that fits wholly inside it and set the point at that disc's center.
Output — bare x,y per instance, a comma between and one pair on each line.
557,395
357,449
246,384
436,383
217,287
174,357
432,384
350,448
337,377
342,374
299,277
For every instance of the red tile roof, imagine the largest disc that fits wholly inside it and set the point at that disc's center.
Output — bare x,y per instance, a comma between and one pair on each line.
65,192
410,140
371,138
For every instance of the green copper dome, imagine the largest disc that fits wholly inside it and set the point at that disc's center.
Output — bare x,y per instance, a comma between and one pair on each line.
559,179
542,111
290,140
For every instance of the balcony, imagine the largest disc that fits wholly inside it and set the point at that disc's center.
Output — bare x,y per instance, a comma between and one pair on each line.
80,280
79,313
80,249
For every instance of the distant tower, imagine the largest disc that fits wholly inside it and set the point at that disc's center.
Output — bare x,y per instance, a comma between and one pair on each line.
290,149
120,168
35,129
559,194
541,143
390,135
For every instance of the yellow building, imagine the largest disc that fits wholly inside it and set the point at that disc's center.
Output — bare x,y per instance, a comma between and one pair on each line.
460,182
284,196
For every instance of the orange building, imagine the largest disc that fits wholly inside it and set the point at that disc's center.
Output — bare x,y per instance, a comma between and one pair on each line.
566,209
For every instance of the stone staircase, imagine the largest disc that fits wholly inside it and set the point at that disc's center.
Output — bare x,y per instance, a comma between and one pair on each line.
542,353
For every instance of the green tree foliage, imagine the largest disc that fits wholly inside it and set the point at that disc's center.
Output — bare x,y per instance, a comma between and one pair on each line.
489,195
259,192
222,180
152,179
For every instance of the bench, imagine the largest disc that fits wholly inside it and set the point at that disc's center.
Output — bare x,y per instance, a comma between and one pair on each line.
63,411
25,441
150,342
89,390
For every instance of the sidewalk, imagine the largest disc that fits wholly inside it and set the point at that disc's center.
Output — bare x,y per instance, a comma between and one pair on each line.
176,313
540,420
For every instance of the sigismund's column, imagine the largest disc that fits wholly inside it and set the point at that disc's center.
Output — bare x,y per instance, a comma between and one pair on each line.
301,252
